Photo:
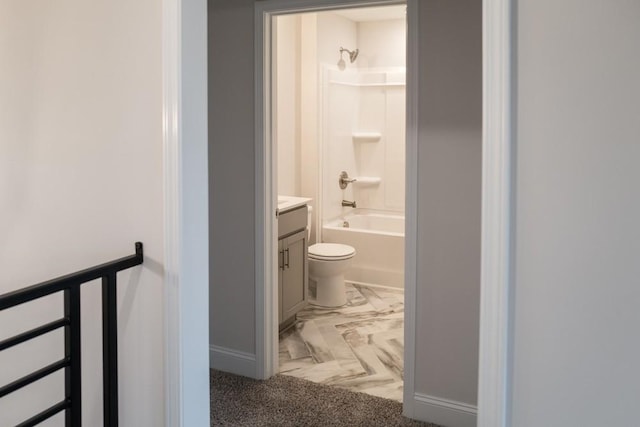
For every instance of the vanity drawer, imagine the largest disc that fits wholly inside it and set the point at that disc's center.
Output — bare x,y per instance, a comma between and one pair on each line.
292,221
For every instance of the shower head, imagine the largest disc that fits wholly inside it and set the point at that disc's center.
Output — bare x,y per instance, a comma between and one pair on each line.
353,54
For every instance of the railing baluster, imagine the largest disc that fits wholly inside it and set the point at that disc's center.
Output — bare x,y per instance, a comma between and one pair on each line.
110,350
70,286
45,415
73,376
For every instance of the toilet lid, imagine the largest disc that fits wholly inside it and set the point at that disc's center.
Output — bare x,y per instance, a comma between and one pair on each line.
331,251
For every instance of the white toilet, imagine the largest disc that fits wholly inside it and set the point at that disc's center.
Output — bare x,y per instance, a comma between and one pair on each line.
327,264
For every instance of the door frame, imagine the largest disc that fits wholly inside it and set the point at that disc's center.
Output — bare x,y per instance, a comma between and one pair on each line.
184,41
186,213
498,212
266,276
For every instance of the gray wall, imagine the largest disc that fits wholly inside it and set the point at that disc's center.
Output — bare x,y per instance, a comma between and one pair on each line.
231,186
577,299
449,193
449,199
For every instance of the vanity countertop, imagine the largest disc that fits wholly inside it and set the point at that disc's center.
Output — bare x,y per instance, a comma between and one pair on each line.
287,203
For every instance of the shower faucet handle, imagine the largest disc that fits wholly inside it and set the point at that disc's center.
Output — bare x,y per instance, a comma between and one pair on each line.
345,180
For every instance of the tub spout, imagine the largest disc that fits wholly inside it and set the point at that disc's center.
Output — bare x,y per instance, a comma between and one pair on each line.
348,203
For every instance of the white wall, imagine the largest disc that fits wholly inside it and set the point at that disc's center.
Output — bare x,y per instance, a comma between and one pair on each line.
576,347
335,31
310,171
381,43
288,99
80,181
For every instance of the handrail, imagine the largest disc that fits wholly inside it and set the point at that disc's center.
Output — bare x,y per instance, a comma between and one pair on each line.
70,285
11,299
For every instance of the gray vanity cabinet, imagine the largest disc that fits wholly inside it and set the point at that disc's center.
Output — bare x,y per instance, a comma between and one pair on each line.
292,263
293,274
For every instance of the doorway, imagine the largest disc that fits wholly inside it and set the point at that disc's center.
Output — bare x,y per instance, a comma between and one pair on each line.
267,190
338,102
416,404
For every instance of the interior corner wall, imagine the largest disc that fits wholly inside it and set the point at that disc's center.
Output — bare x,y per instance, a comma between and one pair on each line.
576,314
80,181
309,174
334,31
449,199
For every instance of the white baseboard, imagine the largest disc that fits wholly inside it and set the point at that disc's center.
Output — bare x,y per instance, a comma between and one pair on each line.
447,413
232,361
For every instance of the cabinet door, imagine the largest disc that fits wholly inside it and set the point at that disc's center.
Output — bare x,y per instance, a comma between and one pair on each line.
294,274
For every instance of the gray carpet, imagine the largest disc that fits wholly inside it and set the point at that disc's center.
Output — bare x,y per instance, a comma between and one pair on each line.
288,401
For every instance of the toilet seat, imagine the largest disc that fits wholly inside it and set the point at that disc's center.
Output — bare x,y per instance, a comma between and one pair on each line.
330,251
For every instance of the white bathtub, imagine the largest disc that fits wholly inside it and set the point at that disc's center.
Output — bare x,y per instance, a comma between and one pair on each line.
379,241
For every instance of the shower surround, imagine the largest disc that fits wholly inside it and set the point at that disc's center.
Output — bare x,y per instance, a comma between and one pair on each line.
363,134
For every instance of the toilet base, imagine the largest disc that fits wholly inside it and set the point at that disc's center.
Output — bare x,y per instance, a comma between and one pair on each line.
330,291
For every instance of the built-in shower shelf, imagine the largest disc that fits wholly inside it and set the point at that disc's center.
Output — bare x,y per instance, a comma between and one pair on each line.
367,181
366,136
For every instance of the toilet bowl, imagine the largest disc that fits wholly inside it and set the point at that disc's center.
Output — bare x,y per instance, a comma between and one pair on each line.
327,264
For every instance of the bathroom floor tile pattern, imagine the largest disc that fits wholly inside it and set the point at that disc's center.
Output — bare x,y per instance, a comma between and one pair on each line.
358,346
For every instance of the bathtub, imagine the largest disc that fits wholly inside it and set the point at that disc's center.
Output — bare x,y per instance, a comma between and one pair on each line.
378,238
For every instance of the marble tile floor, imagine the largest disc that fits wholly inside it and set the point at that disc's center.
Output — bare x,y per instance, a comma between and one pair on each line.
358,346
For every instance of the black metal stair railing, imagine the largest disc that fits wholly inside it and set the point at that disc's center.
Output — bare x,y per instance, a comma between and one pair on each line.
70,286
